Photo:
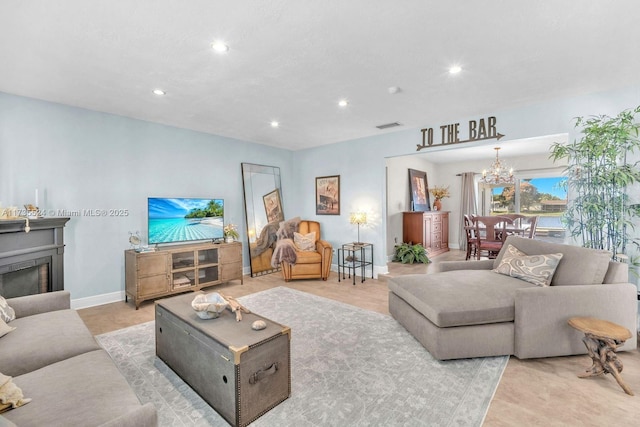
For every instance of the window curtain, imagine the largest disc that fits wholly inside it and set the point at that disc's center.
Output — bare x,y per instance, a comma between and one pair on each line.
468,205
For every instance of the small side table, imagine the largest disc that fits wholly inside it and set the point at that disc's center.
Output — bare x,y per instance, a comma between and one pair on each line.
602,338
354,256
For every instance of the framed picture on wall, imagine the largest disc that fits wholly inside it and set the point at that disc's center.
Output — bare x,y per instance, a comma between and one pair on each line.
419,191
328,195
273,206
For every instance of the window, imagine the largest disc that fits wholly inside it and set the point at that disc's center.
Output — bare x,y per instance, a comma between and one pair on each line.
534,195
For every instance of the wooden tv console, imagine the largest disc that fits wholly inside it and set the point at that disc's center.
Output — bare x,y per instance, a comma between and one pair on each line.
180,268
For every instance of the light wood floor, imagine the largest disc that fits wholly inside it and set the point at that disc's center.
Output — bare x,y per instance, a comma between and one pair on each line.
535,392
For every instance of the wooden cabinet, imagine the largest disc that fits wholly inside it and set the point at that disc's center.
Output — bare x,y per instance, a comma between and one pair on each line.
431,229
180,268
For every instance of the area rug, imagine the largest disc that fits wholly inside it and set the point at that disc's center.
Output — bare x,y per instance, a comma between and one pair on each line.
350,367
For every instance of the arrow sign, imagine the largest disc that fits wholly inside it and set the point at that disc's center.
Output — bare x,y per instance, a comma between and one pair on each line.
498,136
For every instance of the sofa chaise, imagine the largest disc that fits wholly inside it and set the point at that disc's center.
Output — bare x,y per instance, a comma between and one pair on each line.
56,362
468,310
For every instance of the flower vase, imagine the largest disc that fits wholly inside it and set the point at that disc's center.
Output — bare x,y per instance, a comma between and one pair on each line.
437,205
229,239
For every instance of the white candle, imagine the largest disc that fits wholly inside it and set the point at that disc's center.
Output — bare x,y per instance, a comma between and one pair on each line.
36,204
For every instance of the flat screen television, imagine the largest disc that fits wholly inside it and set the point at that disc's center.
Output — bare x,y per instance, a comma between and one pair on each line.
172,220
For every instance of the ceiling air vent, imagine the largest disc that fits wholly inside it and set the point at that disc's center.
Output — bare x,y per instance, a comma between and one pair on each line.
388,125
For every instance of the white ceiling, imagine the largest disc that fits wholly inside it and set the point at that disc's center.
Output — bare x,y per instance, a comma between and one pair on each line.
292,60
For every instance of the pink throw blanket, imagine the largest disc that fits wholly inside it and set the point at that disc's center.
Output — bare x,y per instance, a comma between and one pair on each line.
285,250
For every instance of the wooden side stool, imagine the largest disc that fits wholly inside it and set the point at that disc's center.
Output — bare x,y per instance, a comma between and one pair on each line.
602,338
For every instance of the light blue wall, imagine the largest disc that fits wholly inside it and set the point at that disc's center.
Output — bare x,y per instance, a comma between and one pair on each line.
361,162
80,159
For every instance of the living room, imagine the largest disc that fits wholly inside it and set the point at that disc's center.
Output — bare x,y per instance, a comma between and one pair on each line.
80,156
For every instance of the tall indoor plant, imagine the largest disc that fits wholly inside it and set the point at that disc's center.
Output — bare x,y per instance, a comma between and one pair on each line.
598,174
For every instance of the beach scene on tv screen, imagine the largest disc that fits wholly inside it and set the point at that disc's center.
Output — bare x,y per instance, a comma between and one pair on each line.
177,220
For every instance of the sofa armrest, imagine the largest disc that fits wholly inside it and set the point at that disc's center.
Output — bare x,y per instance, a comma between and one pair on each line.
541,315
40,303
483,264
322,245
144,416
326,251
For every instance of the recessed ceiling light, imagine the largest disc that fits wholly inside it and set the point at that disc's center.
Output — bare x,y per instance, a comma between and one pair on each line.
455,69
159,92
219,46
274,124
343,103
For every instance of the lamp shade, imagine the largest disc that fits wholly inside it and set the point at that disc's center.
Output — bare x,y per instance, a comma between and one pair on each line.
358,218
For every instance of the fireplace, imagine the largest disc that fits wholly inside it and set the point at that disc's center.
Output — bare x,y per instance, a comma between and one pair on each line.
31,263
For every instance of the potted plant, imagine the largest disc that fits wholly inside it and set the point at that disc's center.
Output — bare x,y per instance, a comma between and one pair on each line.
407,253
438,194
598,173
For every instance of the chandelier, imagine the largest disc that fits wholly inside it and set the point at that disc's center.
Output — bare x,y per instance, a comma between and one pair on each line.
498,173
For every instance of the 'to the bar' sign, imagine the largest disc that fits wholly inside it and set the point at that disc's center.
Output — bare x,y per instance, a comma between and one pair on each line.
450,134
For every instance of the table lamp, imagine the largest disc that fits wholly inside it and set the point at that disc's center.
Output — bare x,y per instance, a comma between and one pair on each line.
358,218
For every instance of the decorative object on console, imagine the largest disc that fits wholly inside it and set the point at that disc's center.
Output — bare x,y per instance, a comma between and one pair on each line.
32,211
231,233
498,172
328,195
135,241
418,191
358,218
439,193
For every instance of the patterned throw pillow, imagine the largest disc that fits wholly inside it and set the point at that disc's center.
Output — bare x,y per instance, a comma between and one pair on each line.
4,328
6,313
536,269
305,242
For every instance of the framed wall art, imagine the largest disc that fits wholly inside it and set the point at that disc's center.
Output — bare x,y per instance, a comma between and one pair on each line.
273,206
419,191
328,195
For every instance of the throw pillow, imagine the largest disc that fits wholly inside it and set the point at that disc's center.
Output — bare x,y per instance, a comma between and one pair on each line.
536,269
10,394
4,328
287,228
6,313
305,242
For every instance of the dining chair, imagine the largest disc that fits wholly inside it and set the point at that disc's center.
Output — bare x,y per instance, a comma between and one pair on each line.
517,219
533,224
470,230
491,232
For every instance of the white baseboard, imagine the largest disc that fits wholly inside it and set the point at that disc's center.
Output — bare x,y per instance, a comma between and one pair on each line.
87,302
377,269
97,300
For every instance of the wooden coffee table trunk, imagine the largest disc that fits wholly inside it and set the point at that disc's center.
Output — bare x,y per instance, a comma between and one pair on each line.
240,372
